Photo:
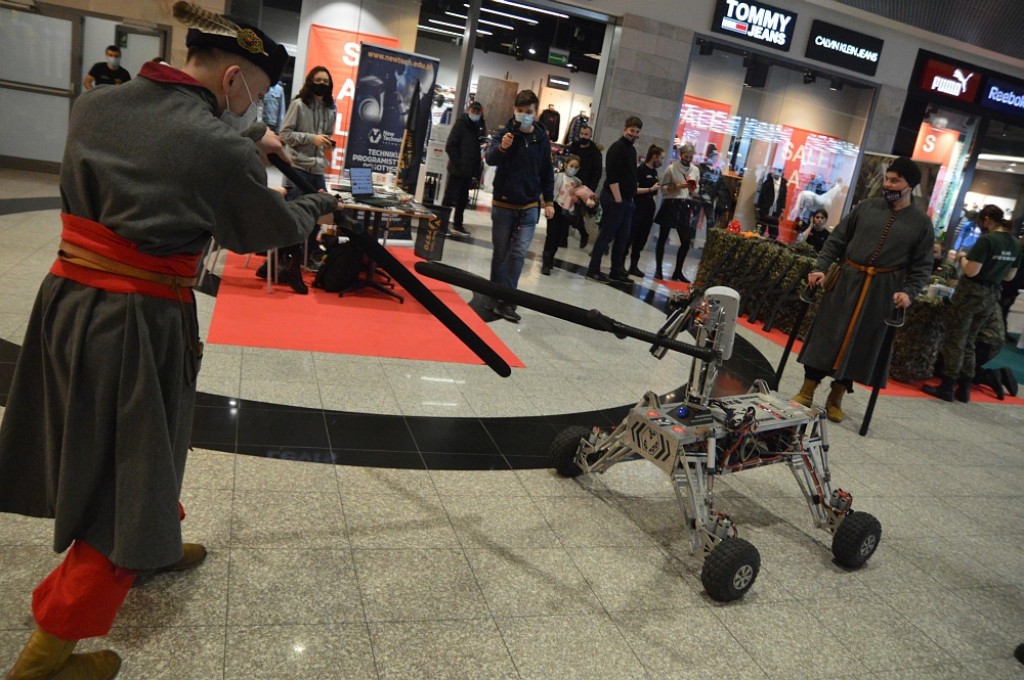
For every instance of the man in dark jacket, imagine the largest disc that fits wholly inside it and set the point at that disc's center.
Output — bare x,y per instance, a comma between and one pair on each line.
521,152
617,205
463,149
591,163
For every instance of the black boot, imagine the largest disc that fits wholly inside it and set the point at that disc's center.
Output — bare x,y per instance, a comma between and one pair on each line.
987,376
584,237
547,262
962,391
293,277
943,391
1009,380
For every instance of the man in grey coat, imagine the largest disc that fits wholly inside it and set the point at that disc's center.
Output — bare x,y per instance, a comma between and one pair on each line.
883,249
99,415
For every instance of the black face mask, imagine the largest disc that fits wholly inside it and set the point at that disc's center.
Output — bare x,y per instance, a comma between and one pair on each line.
583,142
321,89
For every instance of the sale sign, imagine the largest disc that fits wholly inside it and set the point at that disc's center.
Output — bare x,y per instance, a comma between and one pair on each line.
703,122
338,51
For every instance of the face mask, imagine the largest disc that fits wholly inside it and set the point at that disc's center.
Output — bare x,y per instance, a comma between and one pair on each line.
113,62
683,163
656,164
524,119
475,117
584,142
322,89
571,171
244,121
631,138
892,196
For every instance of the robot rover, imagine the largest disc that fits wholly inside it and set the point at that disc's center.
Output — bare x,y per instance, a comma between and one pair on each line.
700,438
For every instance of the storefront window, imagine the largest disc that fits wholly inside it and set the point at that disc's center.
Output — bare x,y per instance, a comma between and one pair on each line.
945,141
795,129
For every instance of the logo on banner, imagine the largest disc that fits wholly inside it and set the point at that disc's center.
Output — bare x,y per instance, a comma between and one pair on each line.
840,46
1003,96
756,22
950,80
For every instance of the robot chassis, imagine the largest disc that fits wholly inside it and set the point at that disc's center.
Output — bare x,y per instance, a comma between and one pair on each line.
701,438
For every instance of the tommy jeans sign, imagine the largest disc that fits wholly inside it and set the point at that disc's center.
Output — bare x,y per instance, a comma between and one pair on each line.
842,47
756,22
953,81
1003,96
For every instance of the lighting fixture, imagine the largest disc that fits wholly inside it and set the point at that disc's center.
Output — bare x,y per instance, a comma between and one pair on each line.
482,21
532,51
513,17
591,55
480,31
528,8
809,77
439,30
706,48
836,85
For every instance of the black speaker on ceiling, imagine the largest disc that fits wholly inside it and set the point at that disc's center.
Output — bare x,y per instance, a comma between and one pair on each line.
757,74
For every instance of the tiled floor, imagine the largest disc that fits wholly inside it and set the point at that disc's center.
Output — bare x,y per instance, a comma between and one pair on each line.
434,544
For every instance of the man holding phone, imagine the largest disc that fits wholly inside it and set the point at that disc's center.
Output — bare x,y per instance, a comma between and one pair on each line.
523,181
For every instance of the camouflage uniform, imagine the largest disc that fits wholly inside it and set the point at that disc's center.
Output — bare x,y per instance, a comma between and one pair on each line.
974,305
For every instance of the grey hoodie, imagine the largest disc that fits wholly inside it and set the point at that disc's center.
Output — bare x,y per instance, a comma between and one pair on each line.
301,125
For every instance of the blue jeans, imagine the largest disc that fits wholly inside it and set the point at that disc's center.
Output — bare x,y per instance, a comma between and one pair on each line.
318,182
616,219
511,233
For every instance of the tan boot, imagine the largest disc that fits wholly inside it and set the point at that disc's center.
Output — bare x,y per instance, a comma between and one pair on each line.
47,657
806,395
834,403
192,556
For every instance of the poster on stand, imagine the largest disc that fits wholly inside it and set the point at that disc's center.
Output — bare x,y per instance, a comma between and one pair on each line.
387,83
338,52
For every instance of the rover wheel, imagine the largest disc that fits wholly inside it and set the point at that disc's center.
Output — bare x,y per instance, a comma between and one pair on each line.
730,569
856,539
563,450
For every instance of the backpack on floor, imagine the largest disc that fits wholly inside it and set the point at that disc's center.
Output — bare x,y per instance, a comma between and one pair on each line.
340,268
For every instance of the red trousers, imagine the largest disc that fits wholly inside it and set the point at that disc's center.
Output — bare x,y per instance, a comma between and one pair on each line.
82,596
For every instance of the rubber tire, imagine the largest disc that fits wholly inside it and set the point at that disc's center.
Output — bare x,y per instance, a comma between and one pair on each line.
730,569
856,539
564,447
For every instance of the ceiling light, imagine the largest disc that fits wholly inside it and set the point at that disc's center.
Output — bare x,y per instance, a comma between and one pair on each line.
836,85
482,21
532,51
1001,158
439,30
479,31
540,10
591,55
514,17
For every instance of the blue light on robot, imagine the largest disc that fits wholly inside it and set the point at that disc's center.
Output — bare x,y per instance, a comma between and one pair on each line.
682,412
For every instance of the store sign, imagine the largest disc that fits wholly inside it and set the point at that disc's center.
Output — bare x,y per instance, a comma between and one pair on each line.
1003,96
957,82
842,47
935,145
558,83
558,57
755,22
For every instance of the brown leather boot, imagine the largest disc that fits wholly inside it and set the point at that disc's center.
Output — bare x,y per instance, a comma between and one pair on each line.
805,397
47,657
192,556
834,403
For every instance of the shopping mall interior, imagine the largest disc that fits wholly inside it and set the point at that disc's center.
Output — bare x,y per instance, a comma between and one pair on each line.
378,503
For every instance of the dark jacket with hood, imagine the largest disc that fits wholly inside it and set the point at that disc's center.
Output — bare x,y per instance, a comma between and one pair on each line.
591,163
463,148
524,173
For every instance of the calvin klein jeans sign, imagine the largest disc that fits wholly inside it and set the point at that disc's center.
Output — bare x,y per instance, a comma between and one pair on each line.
842,47
755,22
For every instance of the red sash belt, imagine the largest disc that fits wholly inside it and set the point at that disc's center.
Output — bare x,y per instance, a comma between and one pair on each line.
95,256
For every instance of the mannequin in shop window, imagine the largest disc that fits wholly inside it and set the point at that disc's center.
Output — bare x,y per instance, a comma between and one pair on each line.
551,119
771,201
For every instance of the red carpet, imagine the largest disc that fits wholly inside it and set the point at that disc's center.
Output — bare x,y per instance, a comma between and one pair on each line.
365,322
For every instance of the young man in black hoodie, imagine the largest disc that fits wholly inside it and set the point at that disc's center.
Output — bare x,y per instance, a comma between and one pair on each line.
463,149
523,180
617,204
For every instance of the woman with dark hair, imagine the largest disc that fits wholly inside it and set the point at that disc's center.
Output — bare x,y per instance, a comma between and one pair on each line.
678,210
308,130
647,189
814,232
